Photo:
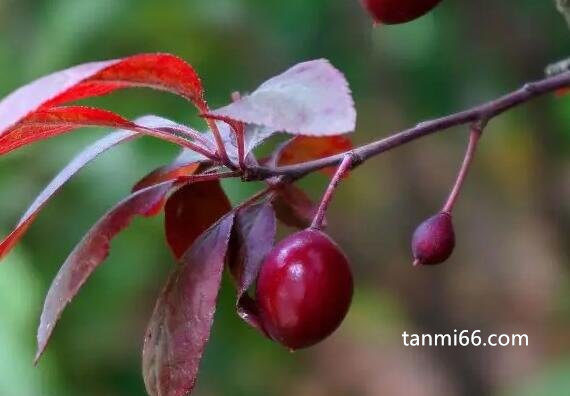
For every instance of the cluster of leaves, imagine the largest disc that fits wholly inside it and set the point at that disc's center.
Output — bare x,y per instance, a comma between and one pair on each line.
311,101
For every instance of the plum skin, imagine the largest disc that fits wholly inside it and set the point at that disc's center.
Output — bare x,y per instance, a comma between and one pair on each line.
391,12
434,240
304,289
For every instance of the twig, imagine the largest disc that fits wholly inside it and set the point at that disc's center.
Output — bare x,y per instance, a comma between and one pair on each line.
207,177
485,111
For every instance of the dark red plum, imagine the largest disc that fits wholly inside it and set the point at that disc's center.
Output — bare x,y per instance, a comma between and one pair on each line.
304,289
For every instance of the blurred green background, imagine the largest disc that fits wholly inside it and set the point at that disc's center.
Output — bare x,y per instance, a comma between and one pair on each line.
509,273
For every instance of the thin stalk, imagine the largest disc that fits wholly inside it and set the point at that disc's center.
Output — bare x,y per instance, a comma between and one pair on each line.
240,146
474,137
343,168
197,136
220,147
182,141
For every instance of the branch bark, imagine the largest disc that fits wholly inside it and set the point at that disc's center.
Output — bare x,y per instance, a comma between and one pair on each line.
482,113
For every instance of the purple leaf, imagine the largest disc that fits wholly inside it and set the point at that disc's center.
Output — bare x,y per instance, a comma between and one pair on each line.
254,237
86,156
293,207
81,160
92,251
255,230
311,98
255,135
182,319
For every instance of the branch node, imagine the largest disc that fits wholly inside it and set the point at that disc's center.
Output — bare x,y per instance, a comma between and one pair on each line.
249,174
529,88
480,125
355,158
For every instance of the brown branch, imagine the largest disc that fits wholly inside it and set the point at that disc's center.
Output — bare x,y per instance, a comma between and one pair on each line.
478,114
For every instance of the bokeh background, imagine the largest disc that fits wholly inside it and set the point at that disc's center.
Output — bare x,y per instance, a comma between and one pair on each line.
509,273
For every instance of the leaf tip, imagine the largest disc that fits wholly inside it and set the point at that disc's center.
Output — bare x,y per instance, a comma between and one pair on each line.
38,356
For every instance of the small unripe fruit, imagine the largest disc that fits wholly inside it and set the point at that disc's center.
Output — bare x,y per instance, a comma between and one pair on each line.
304,289
433,240
390,12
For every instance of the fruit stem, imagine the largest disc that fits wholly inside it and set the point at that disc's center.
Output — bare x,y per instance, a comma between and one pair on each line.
341,171
475,134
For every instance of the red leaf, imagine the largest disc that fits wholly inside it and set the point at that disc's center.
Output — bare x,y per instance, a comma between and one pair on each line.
562,92
47,123
159,71
92,251
190,211
308,148
293,207
254,229
311,98
182,319
166,173
55,121
29,114
82,159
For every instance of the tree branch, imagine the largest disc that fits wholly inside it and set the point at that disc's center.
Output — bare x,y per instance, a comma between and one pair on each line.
478,114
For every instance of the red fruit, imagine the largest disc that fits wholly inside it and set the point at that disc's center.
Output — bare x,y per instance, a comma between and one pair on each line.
390,12
304,289
433,240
